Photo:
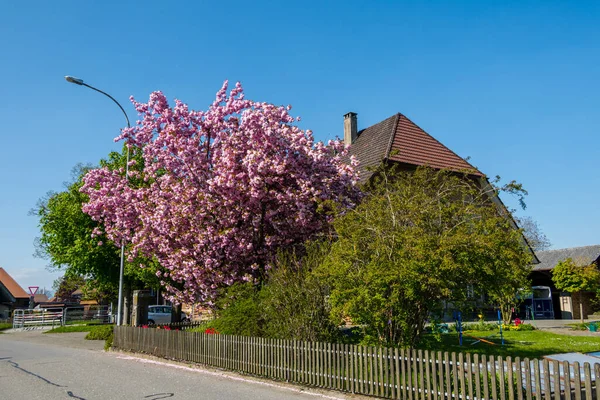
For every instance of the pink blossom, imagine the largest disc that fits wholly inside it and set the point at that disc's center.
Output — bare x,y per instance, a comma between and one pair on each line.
223,190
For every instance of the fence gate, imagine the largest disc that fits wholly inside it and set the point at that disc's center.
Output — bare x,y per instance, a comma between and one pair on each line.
33,318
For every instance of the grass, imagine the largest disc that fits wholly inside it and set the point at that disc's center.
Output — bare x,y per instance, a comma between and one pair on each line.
531,344
95,332
73,328
5,326
85,322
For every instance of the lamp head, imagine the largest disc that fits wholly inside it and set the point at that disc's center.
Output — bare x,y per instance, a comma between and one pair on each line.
74,80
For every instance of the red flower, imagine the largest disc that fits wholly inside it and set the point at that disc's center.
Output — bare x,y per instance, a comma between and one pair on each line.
211,331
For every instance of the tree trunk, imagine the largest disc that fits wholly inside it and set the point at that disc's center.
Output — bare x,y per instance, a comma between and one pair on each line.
176,313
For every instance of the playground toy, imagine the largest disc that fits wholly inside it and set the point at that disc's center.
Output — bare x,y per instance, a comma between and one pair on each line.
458,322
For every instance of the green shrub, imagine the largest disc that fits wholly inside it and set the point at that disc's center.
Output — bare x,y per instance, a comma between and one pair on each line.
295,301
290,304
522,327
480,326
100,333
109,342
239,312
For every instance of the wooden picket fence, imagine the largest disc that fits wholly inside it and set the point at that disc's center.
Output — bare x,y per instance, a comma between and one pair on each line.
374,371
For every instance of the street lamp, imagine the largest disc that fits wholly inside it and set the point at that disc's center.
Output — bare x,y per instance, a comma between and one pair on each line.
80,82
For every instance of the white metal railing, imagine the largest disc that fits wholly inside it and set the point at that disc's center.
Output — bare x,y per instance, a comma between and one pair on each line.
68,316
43,317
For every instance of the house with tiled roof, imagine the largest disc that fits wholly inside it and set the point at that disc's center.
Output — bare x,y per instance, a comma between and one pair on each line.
399,140
12,296
542,276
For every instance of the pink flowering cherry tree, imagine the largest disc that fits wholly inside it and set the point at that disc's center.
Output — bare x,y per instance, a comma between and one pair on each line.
220,191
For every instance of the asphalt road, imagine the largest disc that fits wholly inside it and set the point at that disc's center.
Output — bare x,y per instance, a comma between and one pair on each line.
64,366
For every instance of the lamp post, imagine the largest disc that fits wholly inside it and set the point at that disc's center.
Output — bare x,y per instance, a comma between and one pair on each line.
80,82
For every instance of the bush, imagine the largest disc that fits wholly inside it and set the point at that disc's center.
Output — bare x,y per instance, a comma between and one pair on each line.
520,327
103,332
109,342
295,301
239,312
480,326
291,303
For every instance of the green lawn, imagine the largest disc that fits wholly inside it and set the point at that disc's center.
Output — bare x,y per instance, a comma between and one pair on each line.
532,344
95,332
80,328
4,326
72,328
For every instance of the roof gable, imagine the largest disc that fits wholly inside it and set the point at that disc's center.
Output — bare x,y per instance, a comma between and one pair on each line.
581,255
399,139
412,145
372,146
12,286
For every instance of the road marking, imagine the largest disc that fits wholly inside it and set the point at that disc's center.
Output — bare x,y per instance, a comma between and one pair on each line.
234,378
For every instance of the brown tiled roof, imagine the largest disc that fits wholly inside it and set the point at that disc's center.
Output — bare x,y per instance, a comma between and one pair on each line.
12,286
412,145
372,145
399,139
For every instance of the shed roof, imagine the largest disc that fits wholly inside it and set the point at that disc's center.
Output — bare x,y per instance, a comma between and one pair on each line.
584,255
12,286
40,298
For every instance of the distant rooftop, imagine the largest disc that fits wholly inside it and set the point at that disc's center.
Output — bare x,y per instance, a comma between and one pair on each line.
580,255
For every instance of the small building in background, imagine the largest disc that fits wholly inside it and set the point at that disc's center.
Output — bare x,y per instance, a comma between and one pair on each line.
541,275
12,296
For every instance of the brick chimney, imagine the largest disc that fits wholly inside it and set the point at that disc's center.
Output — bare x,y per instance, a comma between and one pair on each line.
350,128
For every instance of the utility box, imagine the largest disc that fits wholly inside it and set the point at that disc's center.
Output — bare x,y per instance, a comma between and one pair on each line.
141,300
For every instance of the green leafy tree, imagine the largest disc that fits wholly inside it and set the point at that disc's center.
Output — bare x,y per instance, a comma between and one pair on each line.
418,239
572,277
66,239
66,285
69,243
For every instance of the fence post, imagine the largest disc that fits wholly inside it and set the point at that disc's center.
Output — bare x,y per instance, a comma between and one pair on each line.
547,390
528,384
435,357
588,381
476,375
461,370
486,377
577,379
519,374
538,381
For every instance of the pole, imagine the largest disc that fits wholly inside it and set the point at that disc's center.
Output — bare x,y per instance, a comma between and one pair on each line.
122,262
459,327
500,324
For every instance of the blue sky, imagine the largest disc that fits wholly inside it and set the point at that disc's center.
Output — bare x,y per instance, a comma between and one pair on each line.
513,85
